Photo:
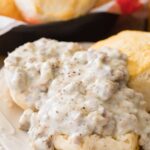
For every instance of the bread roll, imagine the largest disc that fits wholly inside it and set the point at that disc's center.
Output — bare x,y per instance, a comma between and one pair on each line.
8,8
101,2
136,45
53,10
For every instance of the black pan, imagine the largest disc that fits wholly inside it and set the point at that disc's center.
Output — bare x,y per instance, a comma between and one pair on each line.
91,27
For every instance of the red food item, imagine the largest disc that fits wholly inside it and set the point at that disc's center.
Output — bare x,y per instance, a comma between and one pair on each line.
129,6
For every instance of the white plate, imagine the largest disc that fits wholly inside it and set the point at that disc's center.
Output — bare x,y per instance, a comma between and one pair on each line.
11,137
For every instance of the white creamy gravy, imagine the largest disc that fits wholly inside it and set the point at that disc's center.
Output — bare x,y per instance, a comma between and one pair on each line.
30,69
86,93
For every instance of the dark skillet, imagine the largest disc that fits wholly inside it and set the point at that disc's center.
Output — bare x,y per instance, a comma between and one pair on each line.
91,27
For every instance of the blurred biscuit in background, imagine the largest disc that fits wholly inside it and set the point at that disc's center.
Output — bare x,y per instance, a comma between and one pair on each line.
40,11
101,2
8,8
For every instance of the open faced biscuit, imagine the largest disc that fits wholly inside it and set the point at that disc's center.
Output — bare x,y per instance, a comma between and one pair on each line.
89,101
30,69
136,45
81,97
53,10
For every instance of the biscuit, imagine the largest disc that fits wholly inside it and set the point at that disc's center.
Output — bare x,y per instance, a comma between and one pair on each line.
94,142
136,45
8,8
53,10
101,2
